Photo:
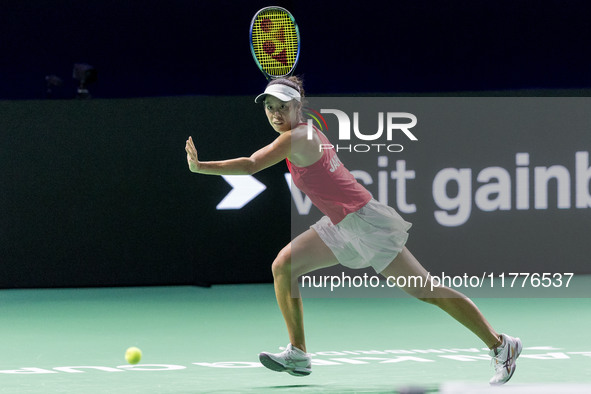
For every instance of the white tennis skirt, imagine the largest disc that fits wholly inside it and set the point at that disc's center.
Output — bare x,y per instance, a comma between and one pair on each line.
371,237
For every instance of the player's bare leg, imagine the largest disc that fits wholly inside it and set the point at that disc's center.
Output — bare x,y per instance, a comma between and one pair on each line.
288,298
304,254
504,349
451,301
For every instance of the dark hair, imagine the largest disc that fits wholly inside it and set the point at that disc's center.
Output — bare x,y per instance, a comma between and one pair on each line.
295,83
292,82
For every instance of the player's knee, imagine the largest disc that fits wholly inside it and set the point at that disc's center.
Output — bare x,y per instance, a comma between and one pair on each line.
433,297
282,262
430,300
422,294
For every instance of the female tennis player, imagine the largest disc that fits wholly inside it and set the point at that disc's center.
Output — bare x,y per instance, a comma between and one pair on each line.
356,231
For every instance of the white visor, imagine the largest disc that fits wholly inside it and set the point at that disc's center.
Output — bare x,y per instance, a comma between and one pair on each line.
281,91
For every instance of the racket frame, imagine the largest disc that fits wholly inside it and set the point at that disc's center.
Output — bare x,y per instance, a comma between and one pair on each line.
297,32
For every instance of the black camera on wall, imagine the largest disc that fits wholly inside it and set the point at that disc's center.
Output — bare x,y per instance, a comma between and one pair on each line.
86,75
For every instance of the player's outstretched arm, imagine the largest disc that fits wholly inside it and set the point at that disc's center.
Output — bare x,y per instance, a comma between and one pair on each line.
265,157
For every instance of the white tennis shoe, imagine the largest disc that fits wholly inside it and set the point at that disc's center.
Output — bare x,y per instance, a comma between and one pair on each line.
292,360
504,358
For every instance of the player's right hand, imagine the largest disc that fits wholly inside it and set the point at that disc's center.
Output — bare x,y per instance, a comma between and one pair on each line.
192,158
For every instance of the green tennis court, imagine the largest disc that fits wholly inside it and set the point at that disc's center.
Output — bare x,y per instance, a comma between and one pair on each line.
206,340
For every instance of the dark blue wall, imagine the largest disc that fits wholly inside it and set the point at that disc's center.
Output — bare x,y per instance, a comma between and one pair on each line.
178,47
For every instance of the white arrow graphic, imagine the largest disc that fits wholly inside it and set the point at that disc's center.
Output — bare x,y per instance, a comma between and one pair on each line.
244,189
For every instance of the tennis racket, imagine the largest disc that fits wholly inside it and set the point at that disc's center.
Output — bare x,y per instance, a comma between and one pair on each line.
275,42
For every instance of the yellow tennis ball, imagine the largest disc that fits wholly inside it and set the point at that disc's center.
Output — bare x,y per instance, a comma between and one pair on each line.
133,355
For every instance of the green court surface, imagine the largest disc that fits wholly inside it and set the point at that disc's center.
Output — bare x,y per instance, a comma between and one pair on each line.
207,340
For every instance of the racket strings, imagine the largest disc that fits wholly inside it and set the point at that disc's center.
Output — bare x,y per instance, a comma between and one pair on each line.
275,42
